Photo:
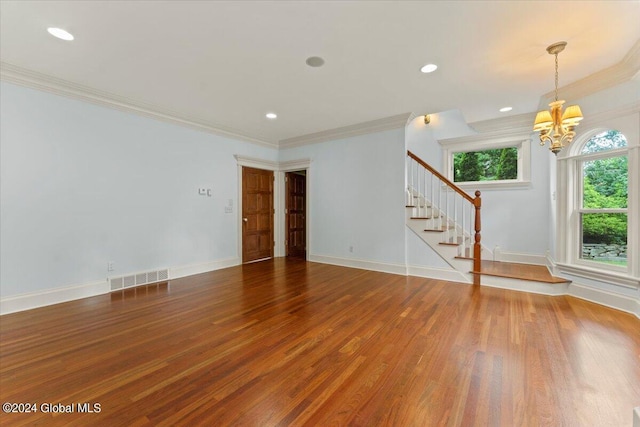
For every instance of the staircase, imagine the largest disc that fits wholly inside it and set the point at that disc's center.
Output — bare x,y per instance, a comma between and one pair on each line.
447,219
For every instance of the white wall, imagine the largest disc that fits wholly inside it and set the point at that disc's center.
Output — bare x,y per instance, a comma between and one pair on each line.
356,197
82,185
422,139
517,220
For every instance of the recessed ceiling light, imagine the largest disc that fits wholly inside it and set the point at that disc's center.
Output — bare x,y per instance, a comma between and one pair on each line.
505,109
271,116
429,68
60,33
315,61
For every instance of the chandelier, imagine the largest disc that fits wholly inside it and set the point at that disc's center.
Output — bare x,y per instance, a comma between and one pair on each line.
554,126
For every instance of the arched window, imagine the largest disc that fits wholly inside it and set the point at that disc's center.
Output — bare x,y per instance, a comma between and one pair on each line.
603,193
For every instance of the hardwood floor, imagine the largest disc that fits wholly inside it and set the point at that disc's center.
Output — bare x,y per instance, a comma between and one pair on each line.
286,342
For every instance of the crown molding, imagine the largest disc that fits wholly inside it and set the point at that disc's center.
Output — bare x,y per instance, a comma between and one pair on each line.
516,123
32,79
504,129
604,116
622,72
387,123
412,116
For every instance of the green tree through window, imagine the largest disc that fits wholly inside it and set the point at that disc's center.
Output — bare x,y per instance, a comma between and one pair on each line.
486,165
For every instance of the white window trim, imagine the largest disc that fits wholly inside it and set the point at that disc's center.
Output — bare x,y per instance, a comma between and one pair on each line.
580,159
484,142
569,202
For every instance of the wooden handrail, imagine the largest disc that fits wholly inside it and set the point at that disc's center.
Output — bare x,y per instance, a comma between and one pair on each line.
441,177
476,202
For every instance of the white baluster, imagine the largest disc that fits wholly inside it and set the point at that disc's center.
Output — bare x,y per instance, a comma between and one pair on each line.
455,218
432,201
463,243
419,204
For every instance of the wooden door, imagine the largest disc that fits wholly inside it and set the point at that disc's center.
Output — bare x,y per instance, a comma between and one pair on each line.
295,213
257,214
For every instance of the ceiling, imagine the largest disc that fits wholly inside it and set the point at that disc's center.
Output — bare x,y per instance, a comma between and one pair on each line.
226,64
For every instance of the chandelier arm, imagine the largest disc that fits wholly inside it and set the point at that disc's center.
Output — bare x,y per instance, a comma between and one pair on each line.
545,138
567,137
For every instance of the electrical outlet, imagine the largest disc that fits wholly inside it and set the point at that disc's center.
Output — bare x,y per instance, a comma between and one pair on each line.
350,248
111,266
202,191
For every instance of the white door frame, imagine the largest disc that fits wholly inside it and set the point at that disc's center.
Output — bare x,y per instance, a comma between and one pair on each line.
279,198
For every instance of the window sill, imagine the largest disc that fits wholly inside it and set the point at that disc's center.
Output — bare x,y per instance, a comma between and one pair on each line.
494,185
614,278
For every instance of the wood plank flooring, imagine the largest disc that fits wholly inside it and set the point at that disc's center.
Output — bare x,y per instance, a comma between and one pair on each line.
287,342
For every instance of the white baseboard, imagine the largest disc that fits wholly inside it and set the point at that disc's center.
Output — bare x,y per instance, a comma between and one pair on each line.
46,297
521,258
609,299
636,416
438,274
52,296
204,267
361,264
449,275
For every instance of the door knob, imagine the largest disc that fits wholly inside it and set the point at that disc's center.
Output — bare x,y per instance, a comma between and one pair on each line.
245,219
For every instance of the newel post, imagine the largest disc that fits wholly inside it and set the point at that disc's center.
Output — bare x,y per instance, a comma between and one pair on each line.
477,202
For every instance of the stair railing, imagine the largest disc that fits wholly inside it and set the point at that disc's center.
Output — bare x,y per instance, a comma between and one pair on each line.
445,207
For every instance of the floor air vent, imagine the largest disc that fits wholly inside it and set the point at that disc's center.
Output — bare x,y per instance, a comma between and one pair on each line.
138,279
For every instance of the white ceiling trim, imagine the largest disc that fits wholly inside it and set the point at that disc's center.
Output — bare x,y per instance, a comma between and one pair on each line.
604,116
289,165
622,72
253,162
387,123
21,76
501,128
294,165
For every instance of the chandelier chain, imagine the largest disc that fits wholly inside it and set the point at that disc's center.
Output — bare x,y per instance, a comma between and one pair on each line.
556,76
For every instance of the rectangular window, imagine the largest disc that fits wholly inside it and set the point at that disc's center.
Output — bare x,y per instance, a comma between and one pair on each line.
498,164
603,216
477,163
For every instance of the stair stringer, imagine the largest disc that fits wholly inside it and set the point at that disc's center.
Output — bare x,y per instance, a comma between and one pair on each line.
448,253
